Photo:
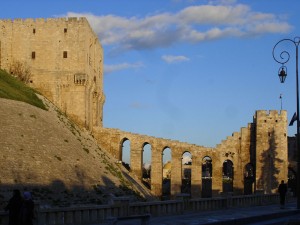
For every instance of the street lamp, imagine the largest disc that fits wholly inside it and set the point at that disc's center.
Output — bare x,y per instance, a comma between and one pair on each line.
282,73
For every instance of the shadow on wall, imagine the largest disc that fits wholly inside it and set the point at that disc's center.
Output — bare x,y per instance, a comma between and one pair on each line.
57,194
269,158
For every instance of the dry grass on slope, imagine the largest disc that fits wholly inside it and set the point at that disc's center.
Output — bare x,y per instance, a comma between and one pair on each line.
13,88
44,152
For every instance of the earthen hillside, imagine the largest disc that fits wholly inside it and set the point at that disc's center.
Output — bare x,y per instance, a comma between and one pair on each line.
43,151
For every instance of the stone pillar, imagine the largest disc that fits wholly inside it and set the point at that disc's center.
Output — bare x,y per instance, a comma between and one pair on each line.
238,177
217,178
156,171
136,157
238,170
176,173
244,157
196,180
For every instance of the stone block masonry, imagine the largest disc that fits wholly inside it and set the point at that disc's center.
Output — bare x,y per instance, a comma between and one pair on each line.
65,59
262,144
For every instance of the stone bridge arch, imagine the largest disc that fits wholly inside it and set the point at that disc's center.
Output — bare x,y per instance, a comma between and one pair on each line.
186,172
227,176
112,139
125,149
248,145
249,178
146,164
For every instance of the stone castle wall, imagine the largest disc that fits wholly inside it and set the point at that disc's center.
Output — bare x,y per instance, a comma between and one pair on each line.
266,135
66,61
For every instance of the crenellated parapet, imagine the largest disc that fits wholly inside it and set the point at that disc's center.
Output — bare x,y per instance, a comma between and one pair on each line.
42,21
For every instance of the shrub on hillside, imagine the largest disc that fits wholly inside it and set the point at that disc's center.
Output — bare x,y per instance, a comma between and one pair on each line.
20,70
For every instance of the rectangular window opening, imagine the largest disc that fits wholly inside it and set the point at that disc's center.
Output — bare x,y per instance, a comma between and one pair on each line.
33,55
65,30
65,55
33,30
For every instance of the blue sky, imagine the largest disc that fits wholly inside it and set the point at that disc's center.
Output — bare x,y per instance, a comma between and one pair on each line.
189,70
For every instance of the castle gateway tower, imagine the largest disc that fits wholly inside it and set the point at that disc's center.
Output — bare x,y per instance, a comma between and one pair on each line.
65,60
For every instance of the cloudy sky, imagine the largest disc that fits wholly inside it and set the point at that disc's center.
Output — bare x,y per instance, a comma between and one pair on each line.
189,70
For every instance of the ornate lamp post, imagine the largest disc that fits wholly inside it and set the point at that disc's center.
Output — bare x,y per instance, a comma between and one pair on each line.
282,73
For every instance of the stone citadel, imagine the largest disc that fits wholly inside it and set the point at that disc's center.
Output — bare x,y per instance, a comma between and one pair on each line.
65,58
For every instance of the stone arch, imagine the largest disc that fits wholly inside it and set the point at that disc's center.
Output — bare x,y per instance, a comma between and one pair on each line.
146,164
228,172
125,152
186,172
249,179
167,167
207,171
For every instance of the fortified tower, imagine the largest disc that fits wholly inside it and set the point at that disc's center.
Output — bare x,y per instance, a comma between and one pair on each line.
271,149
65,60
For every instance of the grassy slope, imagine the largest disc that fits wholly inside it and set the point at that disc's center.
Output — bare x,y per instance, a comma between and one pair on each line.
34,132
12,88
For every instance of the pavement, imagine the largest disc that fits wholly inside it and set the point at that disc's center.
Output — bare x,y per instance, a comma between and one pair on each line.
234,216
256,215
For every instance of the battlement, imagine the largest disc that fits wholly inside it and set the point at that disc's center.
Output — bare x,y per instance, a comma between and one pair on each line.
269,113
44,24
45,20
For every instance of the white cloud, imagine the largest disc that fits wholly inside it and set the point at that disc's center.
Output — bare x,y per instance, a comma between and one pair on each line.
222,2
186,159
174,58
192,24
269,27
147,166
212,15
113,68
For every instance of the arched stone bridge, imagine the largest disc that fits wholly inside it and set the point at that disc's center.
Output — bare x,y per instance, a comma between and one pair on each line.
239,160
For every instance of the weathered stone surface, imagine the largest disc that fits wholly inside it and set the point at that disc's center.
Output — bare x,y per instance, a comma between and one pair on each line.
44,152
263,143
67,68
